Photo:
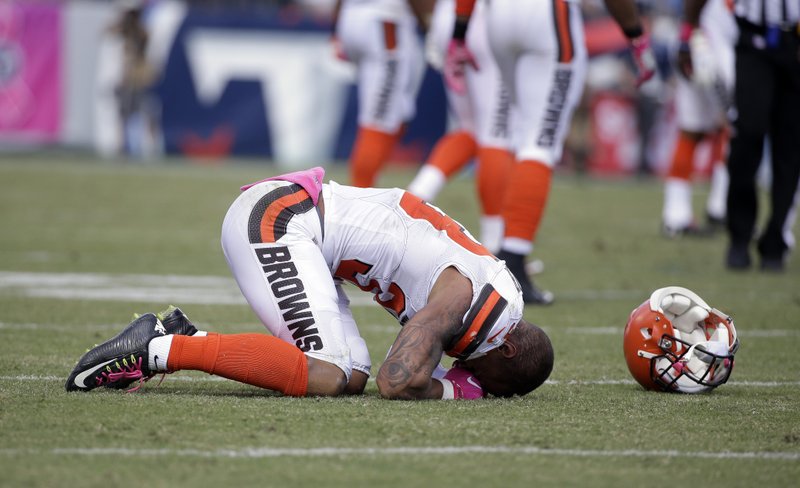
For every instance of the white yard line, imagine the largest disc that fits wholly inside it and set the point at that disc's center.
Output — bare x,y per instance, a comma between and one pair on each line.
391,328
180,289
161,289
600,382
271,452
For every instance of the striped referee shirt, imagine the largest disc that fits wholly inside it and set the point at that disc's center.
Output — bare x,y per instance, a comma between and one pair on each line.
768,12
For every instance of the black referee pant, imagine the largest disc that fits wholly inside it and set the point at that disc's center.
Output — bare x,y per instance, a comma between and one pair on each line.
767,103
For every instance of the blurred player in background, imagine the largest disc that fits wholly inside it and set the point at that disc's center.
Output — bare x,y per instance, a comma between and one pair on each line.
480,110
380,37
540,50
291,242
126,75
703,96
767,99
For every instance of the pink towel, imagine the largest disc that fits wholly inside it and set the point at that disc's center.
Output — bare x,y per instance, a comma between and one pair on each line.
309,179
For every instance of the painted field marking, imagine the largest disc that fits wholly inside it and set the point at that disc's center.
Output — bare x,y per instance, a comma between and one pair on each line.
272,452
600,382
182,289
375,327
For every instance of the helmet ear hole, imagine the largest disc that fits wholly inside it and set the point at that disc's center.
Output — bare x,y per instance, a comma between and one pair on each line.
646,332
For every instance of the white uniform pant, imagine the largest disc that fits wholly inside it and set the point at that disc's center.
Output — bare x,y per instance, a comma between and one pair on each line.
484,110
540,49
287,282
390,63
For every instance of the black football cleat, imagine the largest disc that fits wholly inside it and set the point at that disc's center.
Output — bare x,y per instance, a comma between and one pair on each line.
531,294
738,257
175,322
122,359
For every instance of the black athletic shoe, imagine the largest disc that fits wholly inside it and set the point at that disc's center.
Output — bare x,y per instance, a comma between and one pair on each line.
772,264
120,359
530,293
691,230
738,257
175,322
715,223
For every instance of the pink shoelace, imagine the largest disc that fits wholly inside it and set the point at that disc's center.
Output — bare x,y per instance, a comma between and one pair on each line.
131,371
127,370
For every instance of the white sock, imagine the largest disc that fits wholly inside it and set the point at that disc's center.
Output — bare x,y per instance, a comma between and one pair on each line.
517,245
428,182
158,351
677,212
716,206
492,232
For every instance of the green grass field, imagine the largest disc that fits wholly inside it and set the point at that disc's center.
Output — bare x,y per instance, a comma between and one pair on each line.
85,244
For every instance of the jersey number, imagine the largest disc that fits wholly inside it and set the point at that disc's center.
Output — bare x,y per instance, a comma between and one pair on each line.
396,305
419,209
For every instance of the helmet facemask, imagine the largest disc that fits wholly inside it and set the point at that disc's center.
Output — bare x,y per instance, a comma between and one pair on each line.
696,366
686,345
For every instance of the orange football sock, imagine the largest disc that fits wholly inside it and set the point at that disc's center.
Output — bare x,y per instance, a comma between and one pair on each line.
370,152
683,157
256,359
526,198
494,169
452,152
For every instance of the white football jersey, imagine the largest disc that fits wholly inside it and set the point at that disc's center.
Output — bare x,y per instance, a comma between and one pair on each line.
290,255
393,244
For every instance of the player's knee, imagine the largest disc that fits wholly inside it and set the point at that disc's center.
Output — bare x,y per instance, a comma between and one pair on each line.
325,379
357,383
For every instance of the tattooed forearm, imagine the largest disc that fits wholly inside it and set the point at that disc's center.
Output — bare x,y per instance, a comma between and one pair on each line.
406,373
412,353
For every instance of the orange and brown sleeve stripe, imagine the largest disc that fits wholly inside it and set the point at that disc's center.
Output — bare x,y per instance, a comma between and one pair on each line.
479,321
561,20
271,214
390,35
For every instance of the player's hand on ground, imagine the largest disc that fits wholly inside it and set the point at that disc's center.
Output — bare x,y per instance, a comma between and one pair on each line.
465,385
643,58
456,60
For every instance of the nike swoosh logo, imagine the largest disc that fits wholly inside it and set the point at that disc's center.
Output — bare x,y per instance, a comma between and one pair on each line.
81,378
155,361
472,382
492,338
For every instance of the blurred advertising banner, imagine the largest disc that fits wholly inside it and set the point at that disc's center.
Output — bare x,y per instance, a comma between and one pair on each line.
30,71
270,86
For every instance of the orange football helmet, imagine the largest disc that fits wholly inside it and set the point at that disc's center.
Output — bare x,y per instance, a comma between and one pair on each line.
675,342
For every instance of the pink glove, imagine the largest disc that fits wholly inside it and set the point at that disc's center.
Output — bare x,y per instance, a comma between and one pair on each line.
465,385
643,58
455,61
